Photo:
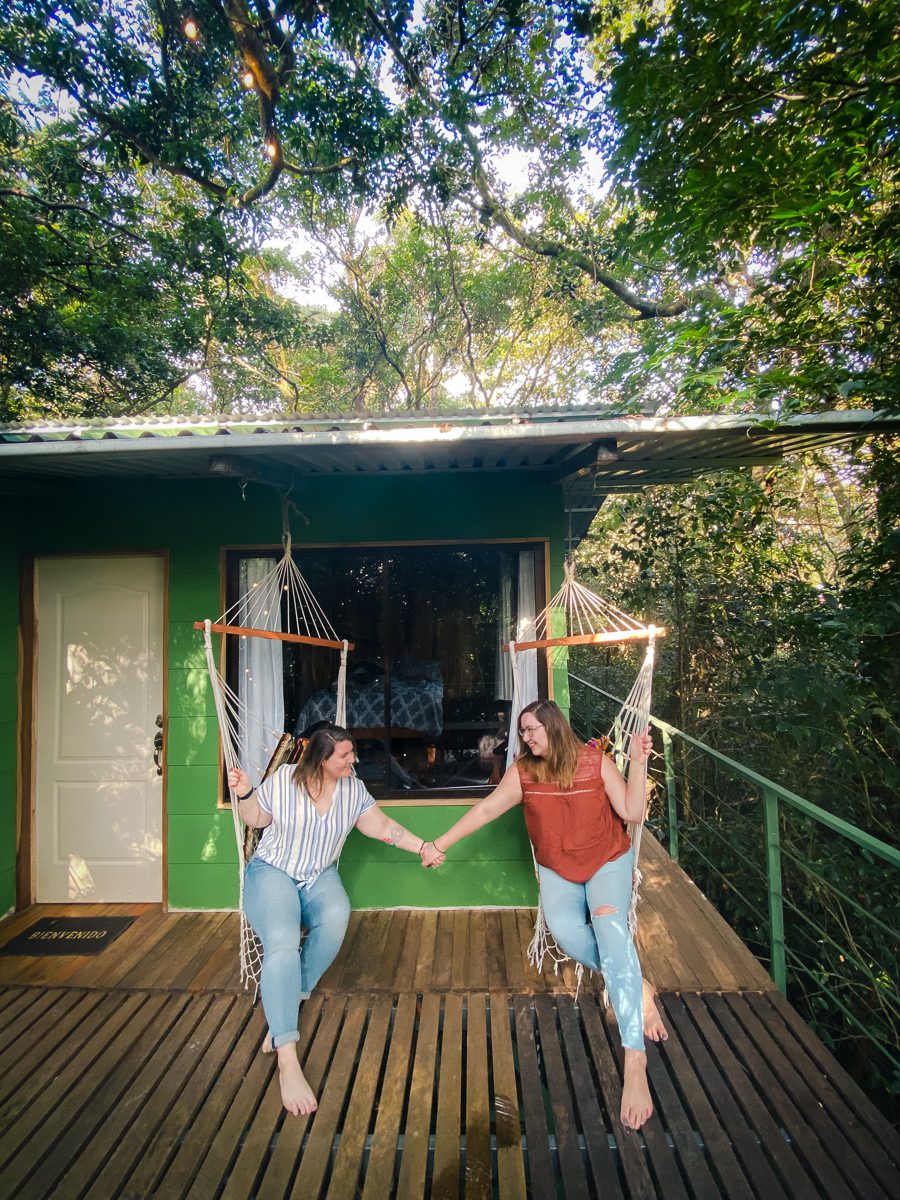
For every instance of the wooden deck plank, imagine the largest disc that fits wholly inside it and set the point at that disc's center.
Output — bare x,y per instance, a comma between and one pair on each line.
591,1119
257,1090
670,1112
873,1169
823,1175
510,1164
495,957
166,1095
393,949
704,1116
887,1138
23,1010
426,951
460,973
244,1071
418,1117
259,1169
379,1177
216,932
348,1162
794,1177
48,1085
442,966
405,974
478,1105
316,1157
564,1127
477,975
128,1133
371,971
48,1135
192,1117
634,1166
39,1055
714,1074
446,1170
540,1167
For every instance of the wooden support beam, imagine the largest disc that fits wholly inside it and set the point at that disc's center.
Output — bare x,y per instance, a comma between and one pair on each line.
275,635
591,639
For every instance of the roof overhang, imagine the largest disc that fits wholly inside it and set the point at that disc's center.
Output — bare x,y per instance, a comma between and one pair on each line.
593,453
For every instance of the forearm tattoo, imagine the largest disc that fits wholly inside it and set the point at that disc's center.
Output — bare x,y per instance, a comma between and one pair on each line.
394,835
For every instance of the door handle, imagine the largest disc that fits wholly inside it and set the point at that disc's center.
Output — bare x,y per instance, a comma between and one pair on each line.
158,745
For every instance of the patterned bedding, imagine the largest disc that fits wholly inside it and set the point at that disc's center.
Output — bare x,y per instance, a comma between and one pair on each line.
418,706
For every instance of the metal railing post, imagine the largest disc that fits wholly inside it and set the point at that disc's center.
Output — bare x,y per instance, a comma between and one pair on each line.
671,794
776,899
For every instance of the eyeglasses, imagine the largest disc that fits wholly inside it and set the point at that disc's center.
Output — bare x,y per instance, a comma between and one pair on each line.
526,729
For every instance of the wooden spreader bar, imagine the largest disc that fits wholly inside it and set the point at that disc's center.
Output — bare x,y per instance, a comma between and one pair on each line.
275,635
590,639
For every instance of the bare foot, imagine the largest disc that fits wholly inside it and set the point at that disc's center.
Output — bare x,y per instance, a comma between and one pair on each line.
637,1107
296,1094
268,1048
654,1030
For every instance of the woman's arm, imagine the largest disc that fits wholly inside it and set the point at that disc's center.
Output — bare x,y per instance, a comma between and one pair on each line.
249,808
629,800
506,795
375,823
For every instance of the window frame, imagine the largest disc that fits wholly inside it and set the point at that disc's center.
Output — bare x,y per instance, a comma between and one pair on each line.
232,555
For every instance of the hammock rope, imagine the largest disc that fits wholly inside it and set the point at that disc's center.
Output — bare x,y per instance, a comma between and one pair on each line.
278,607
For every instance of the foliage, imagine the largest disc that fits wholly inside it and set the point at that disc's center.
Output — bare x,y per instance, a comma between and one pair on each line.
763,140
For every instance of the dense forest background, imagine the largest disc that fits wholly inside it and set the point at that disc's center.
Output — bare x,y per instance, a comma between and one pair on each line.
645,206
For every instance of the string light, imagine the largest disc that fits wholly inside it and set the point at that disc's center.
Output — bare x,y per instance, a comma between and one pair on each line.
191,30
271,149
247,79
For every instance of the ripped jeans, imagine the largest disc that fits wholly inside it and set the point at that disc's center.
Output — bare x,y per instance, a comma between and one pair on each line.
600,942
277,908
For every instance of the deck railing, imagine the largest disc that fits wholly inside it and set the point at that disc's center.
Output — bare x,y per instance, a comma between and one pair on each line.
769,860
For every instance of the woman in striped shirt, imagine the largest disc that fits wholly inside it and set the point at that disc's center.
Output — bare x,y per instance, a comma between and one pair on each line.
576,803
292,882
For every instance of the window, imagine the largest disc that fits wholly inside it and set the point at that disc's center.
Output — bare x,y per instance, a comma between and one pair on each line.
428,687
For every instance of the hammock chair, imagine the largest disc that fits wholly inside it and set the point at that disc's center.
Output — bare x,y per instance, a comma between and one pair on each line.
279,607
588,620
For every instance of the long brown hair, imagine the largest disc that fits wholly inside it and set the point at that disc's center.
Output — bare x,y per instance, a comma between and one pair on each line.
563,747
308,772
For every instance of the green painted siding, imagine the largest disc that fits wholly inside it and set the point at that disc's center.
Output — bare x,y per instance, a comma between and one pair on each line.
191,522
9,651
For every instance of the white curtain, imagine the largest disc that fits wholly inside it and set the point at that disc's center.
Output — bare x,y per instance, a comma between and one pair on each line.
526,688
260,672
503,680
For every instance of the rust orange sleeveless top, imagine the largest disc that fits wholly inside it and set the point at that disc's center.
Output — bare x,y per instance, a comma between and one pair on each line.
574,830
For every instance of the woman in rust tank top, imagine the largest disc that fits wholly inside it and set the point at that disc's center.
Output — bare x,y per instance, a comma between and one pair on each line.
576,804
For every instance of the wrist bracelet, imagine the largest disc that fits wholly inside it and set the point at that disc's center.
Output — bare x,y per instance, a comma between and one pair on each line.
437,847
247,797
422,847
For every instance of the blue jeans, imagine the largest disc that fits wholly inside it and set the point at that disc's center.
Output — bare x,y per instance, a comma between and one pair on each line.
277,908
601,943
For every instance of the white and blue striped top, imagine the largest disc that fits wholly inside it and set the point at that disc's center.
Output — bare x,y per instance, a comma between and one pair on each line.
299,841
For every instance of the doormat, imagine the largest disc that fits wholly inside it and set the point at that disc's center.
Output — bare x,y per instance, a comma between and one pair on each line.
67,935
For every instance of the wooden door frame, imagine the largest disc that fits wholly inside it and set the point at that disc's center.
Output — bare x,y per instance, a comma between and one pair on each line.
26,739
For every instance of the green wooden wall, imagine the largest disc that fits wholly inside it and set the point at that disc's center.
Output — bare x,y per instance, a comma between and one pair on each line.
191,522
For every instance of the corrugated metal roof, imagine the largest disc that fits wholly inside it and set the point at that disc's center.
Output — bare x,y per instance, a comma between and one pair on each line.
596,452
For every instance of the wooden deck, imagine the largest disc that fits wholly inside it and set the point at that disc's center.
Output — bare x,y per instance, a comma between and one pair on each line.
445,1067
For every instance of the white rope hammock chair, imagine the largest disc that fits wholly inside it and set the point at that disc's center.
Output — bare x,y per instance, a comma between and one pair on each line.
279,607
576,616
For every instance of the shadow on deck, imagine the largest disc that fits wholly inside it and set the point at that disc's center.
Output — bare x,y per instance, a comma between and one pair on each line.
445,1067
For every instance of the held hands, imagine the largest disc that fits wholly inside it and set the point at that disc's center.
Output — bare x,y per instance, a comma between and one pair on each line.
641,747
431,856
239,781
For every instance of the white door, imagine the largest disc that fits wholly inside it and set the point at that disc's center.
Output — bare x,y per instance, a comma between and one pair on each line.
98,802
